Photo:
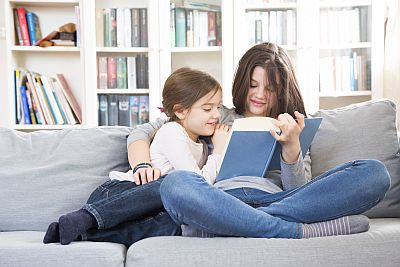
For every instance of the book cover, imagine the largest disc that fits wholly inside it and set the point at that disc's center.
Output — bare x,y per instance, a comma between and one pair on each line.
103,110
252,151
131,72
121,73
112,110
143,27
135,27
99,27
25,105
70,96
123,110
111,72
35,33
143,109
18,32
24,26
120,27
134,110
102,72
180,27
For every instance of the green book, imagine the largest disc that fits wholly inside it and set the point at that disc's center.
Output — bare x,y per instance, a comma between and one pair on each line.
180,27
121,73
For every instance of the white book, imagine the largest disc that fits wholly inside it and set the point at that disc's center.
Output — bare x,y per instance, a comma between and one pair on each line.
131,72
251,27
291,27
102,72
279,27
99,27
203,28
46,109
265,27
323,26
120,27
196,28
52,101
346,74
272,27
64,102
355,25
39,114
128,27
338,73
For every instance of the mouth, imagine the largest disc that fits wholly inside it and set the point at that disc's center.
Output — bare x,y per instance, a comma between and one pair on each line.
212,124
257,103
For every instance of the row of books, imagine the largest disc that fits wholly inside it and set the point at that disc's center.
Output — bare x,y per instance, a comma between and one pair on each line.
124,110
121,27
346,25
123,72
277,26
41,99
345,73
27,27
198,27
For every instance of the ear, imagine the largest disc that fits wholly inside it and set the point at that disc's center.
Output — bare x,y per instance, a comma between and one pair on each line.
179,112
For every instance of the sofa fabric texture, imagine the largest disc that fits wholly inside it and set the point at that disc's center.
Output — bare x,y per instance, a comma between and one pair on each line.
361,131
47,173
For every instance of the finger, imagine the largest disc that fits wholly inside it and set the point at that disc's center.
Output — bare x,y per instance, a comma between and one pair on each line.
136,178
290,119
142,175
300,119
157,174
275,135
149,174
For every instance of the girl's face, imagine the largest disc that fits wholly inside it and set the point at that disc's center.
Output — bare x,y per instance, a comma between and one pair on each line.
259,99
203,116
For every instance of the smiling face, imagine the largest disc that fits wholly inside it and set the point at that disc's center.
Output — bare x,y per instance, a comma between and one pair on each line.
260,98
202,117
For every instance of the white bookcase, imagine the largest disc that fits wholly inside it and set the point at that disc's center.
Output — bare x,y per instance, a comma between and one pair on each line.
310,47
79,64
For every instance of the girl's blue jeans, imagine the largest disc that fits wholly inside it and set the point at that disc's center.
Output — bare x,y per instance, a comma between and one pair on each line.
348,189
126,213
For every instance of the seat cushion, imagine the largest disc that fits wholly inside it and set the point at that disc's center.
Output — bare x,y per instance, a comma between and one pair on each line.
361,131
45,174
26,249
377,247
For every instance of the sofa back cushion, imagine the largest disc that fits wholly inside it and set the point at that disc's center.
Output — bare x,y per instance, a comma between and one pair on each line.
45,174
361,131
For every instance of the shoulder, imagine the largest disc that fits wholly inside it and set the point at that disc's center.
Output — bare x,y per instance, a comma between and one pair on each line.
171,129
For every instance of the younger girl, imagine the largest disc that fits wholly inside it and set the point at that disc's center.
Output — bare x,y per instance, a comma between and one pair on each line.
191,99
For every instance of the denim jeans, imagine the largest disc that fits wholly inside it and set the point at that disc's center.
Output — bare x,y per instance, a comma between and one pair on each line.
126,213
348,189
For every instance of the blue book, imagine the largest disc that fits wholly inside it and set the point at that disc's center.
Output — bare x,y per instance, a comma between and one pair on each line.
252,150
25,105
33,27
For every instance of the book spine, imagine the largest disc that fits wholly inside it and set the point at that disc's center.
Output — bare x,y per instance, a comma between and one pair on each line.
143,27
17,28
103,110
212,39
113,26
131,72
111,72
123,110
78,25
113,110
180,27
120,27
107,32
218,28
135,20
127,27
24,26
31,27
70,96
25,107
102,72
189,29
121,73
31,104
143,109
134,110
99,27
172,24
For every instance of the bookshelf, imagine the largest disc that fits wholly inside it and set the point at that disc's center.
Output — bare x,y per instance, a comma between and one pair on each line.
304,40
339,38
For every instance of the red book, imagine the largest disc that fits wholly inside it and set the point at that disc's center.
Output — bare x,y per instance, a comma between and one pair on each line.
111,72
24,26
212,38
70,97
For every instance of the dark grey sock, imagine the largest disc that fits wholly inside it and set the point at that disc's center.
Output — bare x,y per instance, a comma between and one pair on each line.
74,224
346,225
52,234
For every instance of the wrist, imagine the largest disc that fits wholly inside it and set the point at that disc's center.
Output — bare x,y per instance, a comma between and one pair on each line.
142,165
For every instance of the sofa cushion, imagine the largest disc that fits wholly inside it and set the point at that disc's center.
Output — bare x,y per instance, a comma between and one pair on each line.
45,174
361,131
27,249
377,247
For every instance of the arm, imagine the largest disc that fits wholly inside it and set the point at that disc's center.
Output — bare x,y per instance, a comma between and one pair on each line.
139,150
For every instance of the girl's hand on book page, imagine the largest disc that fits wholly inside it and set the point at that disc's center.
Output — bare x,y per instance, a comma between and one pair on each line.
146,175
289,137
220,137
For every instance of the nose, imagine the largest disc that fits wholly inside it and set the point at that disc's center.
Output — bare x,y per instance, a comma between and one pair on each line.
260,92
216,113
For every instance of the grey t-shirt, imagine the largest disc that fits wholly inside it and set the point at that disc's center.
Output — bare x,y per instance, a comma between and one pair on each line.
290,176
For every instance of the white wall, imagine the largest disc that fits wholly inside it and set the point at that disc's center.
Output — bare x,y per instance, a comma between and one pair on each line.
2,60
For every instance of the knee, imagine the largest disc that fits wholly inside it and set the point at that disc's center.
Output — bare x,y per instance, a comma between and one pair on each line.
379,177
176,186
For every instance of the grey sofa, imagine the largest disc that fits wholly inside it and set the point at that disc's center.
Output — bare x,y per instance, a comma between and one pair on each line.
47,173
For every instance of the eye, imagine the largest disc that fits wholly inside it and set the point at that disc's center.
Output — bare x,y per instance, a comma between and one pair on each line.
207,109
253,85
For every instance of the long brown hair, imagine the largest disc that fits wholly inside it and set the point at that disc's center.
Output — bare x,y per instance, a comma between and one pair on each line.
184,87
281,79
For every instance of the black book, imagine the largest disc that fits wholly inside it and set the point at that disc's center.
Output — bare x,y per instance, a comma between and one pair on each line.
113,110
123,110
103,110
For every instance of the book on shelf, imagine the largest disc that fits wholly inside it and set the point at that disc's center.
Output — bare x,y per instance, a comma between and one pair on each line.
121,73
124,110
102,72
17,27
121,27
24,26
251,150
35,33
111,72
69,96
131,72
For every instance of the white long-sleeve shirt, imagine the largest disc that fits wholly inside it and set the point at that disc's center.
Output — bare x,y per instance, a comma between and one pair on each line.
172,149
